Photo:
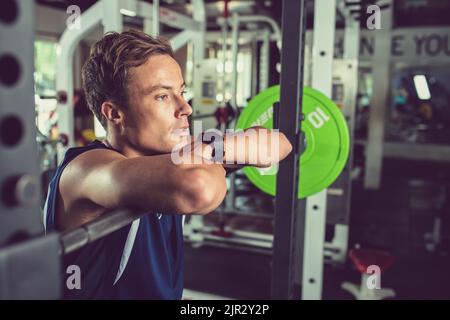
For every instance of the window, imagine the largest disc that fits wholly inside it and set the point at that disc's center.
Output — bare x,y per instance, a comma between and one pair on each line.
45,68
45,84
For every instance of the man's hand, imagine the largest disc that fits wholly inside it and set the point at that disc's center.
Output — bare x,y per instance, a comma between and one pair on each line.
194,152
256,146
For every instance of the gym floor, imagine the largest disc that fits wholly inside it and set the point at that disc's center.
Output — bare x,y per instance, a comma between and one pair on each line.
388,219
244,275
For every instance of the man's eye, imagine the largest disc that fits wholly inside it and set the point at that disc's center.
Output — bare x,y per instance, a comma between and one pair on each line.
162,97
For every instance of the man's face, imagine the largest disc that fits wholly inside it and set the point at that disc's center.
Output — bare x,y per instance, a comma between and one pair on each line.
156,119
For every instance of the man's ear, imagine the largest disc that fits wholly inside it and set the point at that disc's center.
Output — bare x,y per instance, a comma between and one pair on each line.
112,113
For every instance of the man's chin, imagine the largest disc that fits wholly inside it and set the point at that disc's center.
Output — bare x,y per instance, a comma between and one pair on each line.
180,142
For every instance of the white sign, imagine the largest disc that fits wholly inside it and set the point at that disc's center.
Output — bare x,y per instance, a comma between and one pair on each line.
422,45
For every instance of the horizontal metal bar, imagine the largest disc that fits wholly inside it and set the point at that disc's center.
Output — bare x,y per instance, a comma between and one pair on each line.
108,223
244,36
328,253
249,214
168,17
94,230
240,233
237,240
232,246
253,238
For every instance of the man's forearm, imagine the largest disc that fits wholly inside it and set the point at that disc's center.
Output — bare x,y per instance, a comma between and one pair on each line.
255,146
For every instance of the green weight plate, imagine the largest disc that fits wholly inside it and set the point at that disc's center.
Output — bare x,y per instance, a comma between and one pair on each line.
326,134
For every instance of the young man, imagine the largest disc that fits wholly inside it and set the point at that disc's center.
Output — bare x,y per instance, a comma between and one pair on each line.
135,89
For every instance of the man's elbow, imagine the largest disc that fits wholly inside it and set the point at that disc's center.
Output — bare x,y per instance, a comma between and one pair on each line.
285,146
204,192
280,148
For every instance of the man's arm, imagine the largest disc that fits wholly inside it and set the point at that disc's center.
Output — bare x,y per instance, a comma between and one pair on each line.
152,183
256,146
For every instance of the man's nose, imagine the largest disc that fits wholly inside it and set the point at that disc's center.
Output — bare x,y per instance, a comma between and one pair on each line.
184,108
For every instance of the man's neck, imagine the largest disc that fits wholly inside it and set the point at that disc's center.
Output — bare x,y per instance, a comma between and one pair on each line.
124,148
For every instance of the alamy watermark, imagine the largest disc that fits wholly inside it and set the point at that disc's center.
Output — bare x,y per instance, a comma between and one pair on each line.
73,281
373,278
373,21
234,147
74,19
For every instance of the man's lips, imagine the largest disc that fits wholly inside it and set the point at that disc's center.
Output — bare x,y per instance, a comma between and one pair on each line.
181,132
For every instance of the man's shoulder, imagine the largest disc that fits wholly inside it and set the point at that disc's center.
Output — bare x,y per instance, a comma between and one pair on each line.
93,157
83,163
74,185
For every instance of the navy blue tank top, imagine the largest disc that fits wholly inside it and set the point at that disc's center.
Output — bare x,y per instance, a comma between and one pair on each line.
143,260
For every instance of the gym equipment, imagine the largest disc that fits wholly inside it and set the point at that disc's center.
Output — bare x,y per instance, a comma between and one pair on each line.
327,140
29,266
205,87
106,224
371,264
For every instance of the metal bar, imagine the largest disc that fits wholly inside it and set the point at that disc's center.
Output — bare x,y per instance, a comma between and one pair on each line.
64,73
350,65
249,214
224,29
231,195
330,253
264,62
148,26
276,115
199,15
181,39
316,205
168,17
234,52
238,240
91,231
245,36
112,19
270,21
254,78
232,246
378,105
293,26
351,39
266,237
155,26
260,240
